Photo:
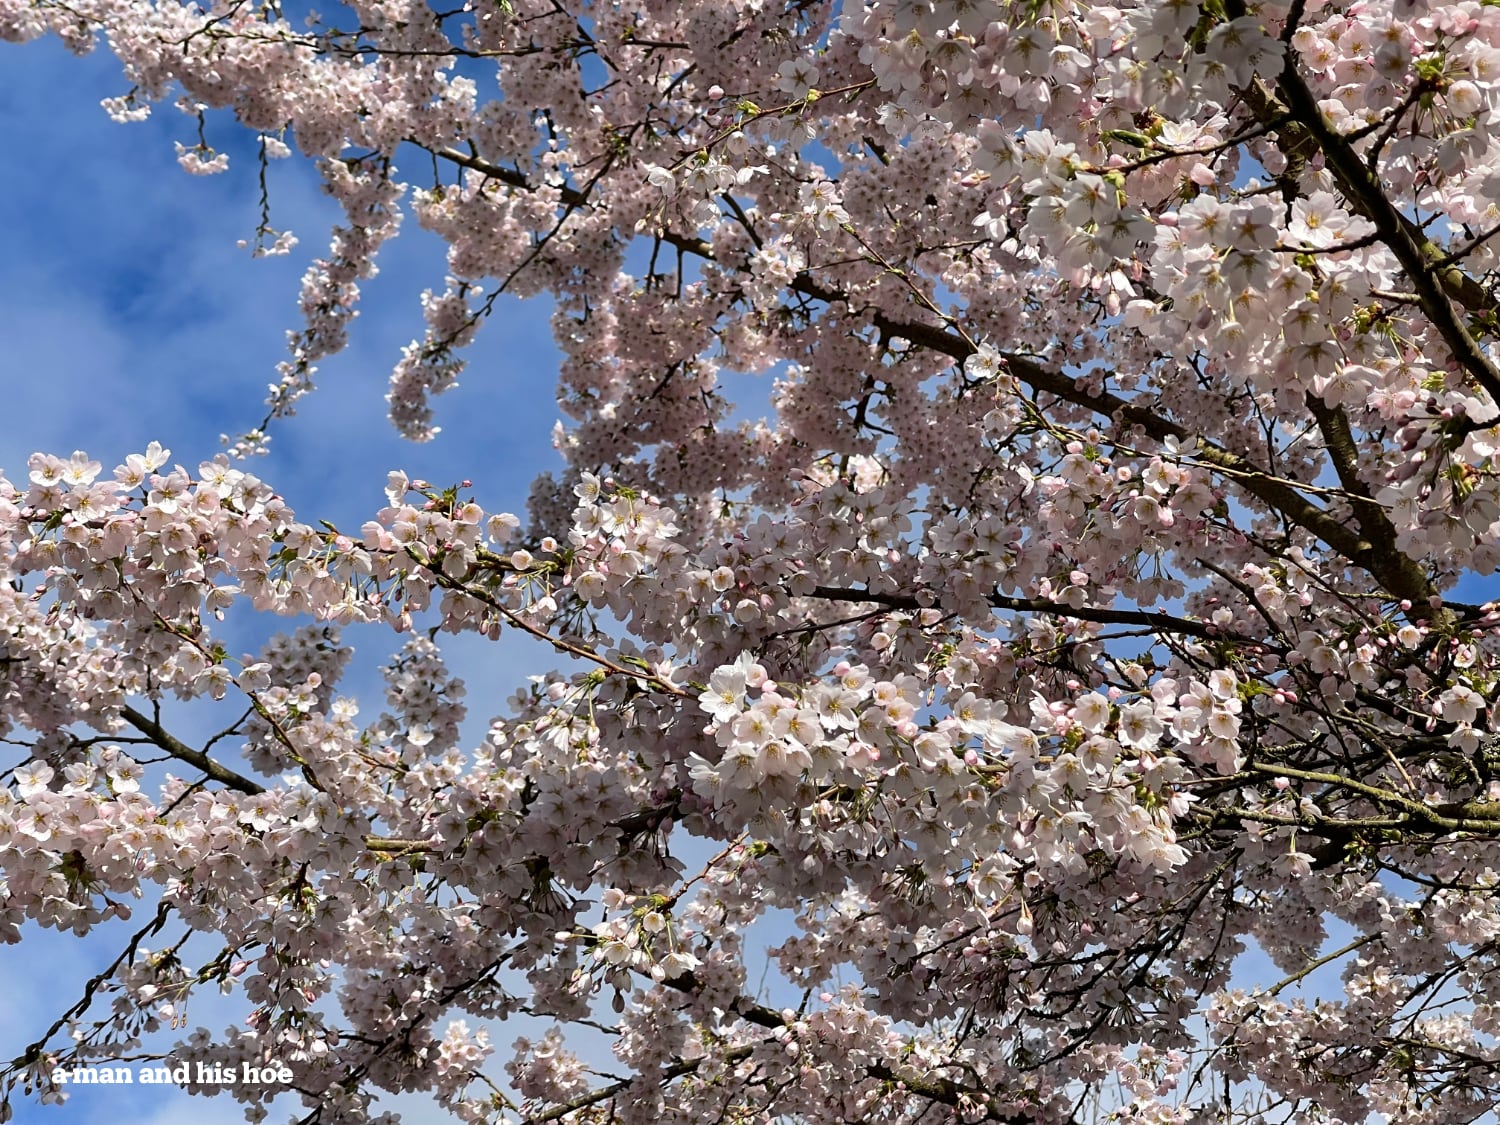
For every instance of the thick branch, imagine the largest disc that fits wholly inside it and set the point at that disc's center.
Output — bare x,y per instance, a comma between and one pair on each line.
1338,439
185,753
1437,282
1161,622
1399,575
1479,817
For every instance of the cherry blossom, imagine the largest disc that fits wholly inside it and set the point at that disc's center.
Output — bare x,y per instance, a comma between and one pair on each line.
1105,590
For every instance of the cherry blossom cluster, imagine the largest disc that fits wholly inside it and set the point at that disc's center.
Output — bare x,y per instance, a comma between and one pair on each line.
1028,486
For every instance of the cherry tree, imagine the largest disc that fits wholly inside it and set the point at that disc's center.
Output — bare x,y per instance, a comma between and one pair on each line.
1096,601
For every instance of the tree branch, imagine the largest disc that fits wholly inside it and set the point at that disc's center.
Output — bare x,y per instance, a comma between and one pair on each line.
178,749
1437,282
161,737
1160,622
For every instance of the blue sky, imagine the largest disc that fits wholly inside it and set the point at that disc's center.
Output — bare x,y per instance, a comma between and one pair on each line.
129,314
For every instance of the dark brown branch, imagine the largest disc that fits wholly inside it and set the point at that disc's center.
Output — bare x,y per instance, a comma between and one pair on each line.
152,928
570,197
1437,282
1374,524
1158,622
163,738
1399,575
